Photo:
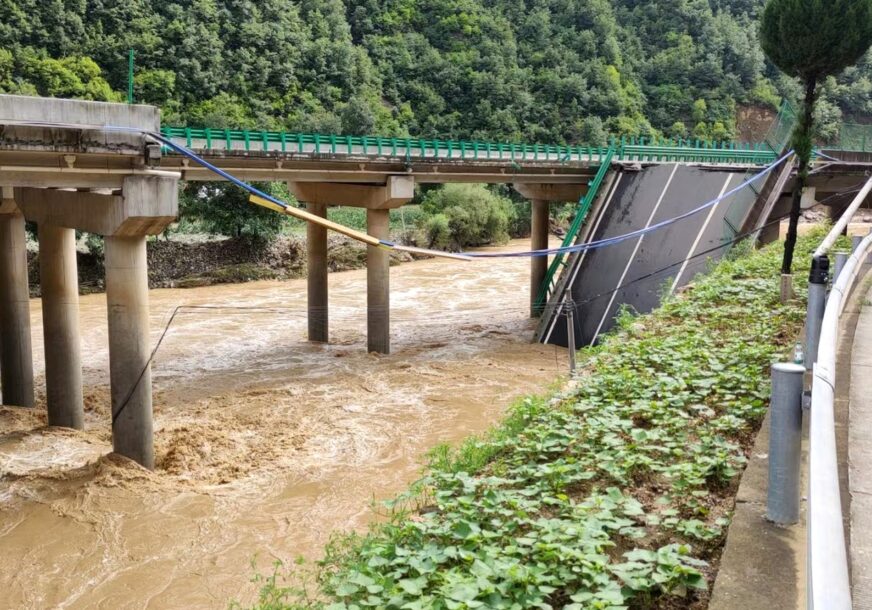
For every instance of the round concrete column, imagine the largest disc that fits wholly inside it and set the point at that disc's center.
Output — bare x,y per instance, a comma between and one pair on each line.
16,354
316,247
130,375
539,241
378,289
59,281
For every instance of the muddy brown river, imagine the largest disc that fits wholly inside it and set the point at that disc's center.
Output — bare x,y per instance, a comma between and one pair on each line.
265,444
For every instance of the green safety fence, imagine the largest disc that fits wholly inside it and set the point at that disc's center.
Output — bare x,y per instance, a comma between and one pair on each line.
776,141
854,137
627,149
582,211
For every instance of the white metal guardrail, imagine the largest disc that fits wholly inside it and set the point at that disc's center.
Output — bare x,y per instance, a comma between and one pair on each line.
829,585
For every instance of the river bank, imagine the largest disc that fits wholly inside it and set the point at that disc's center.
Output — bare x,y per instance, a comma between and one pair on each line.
188,261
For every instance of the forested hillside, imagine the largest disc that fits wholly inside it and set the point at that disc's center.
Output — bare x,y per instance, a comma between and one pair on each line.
537,70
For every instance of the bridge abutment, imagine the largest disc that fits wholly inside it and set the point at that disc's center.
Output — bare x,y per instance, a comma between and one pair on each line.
16,352
59,280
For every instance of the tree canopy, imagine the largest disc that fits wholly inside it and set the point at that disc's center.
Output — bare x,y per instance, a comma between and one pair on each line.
554,71
812,39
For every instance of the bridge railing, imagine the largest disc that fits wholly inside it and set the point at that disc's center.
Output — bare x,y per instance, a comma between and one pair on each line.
331,144
625,149
828,581
854,137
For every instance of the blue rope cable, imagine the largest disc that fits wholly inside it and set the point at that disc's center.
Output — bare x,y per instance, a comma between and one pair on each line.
527,253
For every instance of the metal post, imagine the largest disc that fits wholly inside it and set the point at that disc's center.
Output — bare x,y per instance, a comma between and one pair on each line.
785,433
841,259
817,302
570,334
130,77
855,242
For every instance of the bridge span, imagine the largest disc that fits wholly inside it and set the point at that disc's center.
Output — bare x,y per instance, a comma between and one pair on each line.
72,165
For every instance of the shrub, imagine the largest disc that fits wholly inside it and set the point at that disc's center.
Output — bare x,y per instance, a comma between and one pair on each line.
473,214
437,232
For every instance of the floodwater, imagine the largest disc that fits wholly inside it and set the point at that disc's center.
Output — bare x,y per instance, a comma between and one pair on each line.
265,444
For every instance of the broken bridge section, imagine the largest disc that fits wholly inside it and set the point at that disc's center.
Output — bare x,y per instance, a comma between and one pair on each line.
637,272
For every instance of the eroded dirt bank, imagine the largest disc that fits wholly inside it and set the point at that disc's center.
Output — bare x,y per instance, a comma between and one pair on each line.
265,444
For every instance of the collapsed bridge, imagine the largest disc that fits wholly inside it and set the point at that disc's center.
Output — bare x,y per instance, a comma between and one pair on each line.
111,169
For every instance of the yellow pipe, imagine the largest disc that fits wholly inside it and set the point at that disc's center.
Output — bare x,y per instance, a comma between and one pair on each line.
357,235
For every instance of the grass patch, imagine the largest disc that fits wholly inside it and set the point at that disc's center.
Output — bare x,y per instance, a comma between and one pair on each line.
615,494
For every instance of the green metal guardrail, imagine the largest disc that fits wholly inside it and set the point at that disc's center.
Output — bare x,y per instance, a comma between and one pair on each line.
627,149
584,205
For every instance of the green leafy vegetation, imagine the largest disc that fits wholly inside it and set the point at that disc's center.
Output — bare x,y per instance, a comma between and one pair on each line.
612,494
538,70
462,215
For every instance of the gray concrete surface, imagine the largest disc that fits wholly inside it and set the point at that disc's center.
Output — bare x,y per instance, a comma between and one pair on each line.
762,563
129,371
378,285
316,249
16,354
58,276
860,455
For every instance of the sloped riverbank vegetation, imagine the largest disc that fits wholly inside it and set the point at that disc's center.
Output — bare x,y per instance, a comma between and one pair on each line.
615,493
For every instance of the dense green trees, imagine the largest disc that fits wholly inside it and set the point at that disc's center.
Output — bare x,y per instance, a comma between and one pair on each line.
556,71
543,70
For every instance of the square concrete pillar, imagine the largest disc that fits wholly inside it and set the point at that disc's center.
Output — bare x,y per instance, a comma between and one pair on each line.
129,369
378,289
538,241
16,353
59,280
316,248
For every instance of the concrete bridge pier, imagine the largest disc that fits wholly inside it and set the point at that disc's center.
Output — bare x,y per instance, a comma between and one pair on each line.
59,280
316,249
378,285
129,368
145,205
540,211
541,196
16,354
378,201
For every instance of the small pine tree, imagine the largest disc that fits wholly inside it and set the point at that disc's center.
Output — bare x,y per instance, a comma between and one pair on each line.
812,39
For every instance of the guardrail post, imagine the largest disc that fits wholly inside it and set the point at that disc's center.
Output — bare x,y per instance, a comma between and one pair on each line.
855,242
817,302
785,434
570,334
841,259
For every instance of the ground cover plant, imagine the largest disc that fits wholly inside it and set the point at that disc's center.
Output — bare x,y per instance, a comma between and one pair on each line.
612,494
